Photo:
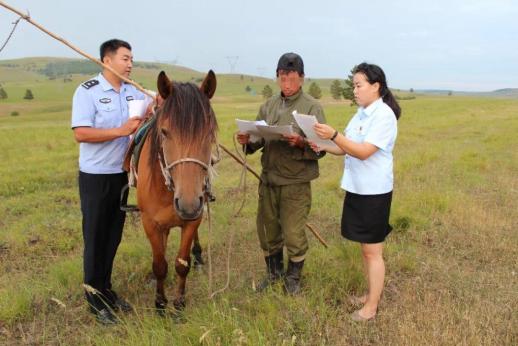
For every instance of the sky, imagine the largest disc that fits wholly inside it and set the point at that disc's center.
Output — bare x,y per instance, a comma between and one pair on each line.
468,45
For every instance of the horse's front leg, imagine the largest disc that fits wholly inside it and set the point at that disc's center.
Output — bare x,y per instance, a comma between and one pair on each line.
158,239
183,262
196,252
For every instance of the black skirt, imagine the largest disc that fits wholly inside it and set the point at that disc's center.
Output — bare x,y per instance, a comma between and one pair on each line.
365,218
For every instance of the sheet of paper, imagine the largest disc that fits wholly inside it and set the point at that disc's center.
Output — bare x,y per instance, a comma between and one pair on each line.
270,132
306,123
250,127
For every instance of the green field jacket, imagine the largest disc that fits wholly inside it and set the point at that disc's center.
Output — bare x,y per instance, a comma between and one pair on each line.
281,163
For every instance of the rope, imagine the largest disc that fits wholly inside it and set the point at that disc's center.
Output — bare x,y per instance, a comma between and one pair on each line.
241,186
208,249
242,179
11,34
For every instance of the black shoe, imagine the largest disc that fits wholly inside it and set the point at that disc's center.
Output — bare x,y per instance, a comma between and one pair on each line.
274,271
106,317
122,305
292,278
117,303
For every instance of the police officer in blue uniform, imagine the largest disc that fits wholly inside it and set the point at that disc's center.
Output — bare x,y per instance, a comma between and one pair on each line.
102,126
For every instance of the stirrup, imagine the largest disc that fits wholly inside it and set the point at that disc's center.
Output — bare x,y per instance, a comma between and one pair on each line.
127,207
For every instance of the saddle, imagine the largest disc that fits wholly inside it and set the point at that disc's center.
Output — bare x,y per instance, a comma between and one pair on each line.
131,158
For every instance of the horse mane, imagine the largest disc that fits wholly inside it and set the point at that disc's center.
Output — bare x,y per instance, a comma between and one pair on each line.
189,114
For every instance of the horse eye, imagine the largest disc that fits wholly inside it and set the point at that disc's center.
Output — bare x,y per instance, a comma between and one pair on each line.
164,132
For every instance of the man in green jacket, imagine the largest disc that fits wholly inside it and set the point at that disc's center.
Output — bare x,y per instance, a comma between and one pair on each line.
288,166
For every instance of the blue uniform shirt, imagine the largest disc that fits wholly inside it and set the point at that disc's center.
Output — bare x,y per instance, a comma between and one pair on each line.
96,104
377,125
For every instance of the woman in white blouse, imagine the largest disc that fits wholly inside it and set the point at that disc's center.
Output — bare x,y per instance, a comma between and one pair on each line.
367,144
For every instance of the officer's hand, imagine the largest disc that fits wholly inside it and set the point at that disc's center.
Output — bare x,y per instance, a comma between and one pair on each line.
243,138
294,140
130,126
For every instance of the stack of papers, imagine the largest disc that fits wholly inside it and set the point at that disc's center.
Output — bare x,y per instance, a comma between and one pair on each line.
260,129
306,123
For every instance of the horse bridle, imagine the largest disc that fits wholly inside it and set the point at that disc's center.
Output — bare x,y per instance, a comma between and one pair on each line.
167,167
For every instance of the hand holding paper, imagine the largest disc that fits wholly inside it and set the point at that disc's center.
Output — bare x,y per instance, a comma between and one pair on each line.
307,124
260,129
294,140
137,108
324,131
250,128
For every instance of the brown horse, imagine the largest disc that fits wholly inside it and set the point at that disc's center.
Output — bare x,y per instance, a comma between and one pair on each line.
173,175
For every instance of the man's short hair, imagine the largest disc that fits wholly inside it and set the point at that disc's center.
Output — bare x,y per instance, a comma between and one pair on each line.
290,62
111,46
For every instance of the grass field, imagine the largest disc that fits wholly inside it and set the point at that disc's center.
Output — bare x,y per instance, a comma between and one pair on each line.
452,259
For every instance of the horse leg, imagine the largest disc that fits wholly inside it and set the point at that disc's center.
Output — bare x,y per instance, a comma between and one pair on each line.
183,263
158,239
196,252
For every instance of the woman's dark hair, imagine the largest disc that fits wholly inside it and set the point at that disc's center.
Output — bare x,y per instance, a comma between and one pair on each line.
375,74
111,46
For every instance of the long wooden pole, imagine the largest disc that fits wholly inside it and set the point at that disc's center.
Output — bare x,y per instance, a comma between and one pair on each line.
86,55
135,84
235,157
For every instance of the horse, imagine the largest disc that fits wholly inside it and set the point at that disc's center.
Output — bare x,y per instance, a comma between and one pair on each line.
174,176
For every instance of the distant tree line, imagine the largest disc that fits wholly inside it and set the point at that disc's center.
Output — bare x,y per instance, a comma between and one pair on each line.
147,65
54,70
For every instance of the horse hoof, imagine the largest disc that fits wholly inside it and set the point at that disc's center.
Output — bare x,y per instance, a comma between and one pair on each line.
179,304
161,308
198,260
161,312
199,267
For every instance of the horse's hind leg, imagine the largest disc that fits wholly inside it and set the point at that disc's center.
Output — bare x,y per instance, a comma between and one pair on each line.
196,252
183,264
158,240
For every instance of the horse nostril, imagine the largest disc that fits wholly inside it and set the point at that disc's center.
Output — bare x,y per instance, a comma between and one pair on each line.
176,204
201,201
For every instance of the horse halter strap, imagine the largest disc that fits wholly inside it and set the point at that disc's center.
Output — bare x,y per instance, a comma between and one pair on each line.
166,171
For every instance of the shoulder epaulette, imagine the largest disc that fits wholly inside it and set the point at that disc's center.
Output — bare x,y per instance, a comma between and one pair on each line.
90,83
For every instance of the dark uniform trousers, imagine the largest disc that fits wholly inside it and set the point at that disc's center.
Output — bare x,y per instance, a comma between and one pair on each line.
281,218
103,222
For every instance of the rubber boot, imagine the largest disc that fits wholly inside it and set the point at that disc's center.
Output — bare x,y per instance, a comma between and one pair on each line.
274,271
292,278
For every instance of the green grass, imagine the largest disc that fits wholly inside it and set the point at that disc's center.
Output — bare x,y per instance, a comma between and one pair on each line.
451,260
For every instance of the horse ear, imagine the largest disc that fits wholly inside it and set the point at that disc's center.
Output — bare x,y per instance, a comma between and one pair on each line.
208,87
165,87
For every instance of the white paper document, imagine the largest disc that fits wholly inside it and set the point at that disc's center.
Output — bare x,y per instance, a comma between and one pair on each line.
270,132
250,127
306,123
260,129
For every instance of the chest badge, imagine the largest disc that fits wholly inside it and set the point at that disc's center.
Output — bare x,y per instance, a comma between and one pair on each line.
105,100
129,98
